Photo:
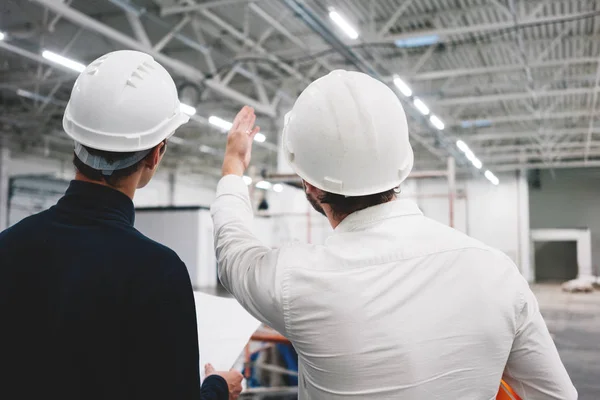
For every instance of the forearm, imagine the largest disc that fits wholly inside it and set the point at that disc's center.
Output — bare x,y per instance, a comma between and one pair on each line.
247,268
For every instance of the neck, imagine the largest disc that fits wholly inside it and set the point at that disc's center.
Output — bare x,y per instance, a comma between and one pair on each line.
334,220
126,186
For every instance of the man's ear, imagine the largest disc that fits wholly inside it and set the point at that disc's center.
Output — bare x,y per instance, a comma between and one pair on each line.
310,189
153,158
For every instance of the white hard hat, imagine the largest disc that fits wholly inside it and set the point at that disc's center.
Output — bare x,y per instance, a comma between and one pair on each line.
123,102
347,134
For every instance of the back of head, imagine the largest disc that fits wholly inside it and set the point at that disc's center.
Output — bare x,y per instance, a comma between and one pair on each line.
122,106
347,134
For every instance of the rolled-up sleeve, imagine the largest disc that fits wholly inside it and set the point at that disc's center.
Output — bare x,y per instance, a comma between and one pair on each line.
534,368
248,269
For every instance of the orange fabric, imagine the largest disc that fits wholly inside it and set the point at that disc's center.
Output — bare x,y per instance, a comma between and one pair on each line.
506,392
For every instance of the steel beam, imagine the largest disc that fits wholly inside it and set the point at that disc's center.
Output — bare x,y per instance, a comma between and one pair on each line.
512,135
32,56
138,28
164,11
501,119
445,33
579,154
177,66
392,20
549,165
169,36
453,101
493,70
250,42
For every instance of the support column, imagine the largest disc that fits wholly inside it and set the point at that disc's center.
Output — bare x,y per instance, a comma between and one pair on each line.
4,186
451,189
524,231
172,183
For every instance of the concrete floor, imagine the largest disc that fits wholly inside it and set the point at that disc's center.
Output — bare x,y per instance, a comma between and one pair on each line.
574,322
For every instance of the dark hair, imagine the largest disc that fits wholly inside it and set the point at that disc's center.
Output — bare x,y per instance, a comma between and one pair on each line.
343,206
111,157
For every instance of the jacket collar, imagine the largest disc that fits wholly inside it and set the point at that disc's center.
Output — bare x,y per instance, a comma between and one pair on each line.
361,219
97,201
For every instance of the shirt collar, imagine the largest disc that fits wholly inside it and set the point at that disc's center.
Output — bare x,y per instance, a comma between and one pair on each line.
393,209
98,200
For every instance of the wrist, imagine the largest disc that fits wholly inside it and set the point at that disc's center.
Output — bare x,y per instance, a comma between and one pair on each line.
233,166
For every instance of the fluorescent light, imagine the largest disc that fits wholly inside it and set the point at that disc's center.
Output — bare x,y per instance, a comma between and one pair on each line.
263,185
462,146
491,177
219,122
419,41
422,107
343,24
65,62
2,35
476,163
278,187
402,86
260,137
470,155
37,97
209,150
435,121
247,180
176,140
189,110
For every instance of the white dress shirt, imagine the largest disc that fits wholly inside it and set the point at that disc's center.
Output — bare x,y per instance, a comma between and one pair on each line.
393,306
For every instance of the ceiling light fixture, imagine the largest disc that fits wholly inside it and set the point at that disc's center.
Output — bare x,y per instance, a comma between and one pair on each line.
2,35
189,110
436,122
220,123
491,177
263,185
64,61
260,138
402,86
343,24
422,107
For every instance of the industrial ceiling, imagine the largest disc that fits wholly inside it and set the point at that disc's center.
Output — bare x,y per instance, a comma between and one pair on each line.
514,82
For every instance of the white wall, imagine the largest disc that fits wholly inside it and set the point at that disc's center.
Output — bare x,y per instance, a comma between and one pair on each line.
496,215
189,190
190,234
568,198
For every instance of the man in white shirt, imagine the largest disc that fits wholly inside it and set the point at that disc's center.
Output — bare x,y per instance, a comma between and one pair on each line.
394,305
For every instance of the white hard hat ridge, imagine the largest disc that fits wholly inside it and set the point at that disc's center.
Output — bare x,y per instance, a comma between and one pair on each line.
124,101
347,134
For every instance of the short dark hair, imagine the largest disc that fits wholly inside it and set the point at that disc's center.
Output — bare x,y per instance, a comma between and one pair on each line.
343,206
111,157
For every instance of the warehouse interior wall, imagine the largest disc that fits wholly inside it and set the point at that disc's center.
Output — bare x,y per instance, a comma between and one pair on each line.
566,198
164,190
496,215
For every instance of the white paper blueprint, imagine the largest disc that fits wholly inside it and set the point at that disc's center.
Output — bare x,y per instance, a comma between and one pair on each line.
224,328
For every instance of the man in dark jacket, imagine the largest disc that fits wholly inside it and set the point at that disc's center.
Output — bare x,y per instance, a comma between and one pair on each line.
89,307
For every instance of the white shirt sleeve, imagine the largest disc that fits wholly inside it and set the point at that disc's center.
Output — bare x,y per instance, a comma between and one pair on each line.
534,369
247,268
